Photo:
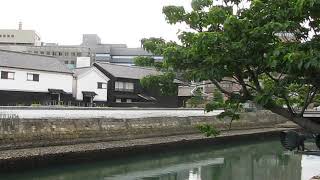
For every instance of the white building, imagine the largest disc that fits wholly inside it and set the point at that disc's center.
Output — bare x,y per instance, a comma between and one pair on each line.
19,37
90,85
33,79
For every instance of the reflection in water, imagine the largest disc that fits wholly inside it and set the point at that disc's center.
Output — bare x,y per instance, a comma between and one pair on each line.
310,166
256,161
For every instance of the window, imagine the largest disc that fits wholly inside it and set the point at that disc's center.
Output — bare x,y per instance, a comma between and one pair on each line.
4,35
60,53
48,53
102,85
118,100
129,86
0,35
78,54
41,52
66,54
12,36
8,35
36,52
7,75
129,100
119,86
32,77
124,86
66,62
73,54
73,62
53,53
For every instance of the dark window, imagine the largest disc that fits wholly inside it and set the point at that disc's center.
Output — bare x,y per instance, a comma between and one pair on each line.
124,86
60,53
53,53
0,35
41,52
78,54
73,62
35,77
32,77
12,35
66,54
73,54
36,52
7,75
102,85
4,35
66,62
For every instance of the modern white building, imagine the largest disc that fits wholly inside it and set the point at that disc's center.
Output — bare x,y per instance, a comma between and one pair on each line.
91,46
19,37
33,79
90,86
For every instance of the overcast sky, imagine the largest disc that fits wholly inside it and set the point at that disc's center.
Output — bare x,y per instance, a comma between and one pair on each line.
115,21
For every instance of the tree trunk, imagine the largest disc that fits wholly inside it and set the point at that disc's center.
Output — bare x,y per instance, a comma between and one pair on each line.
305,123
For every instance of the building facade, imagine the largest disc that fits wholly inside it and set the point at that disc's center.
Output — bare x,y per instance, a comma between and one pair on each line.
30,79
90,86
19,37
125,90
91,46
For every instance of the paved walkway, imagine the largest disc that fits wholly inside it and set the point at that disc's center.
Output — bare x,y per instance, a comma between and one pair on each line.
115,113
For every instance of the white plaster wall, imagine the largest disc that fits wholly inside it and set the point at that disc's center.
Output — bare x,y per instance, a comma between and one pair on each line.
116,113
47,80
20,36
83,62
89,82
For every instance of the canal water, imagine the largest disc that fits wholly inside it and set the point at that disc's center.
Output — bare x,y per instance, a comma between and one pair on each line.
245,161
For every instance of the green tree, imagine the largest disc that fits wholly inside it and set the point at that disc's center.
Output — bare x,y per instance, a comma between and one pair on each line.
217,96
162,84
271,48
197,99
144,61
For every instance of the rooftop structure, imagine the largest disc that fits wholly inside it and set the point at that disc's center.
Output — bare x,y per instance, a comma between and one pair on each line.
90,40
19,37
28,41
29,61
129,72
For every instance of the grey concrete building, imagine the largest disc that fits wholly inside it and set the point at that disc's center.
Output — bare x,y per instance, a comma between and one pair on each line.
19,37
91,47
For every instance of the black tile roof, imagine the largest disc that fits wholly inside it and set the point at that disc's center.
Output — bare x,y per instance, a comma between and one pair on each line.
129,72
31,61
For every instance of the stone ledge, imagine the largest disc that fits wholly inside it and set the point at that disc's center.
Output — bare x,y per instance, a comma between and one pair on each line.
12,160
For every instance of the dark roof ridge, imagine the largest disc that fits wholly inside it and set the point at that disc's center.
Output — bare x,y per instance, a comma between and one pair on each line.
83,67
128,48
19,52
138,67
24,60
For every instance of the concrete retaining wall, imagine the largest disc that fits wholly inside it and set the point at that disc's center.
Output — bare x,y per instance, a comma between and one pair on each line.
20,133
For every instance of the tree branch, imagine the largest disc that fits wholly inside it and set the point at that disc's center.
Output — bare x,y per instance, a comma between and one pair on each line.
248,85
216,83
255,79
308,100
286,99
303,122
271,77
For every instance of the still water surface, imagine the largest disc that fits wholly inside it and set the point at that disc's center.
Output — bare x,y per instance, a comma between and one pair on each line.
249,161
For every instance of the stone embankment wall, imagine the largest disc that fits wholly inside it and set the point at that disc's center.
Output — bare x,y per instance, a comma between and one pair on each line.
21,132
